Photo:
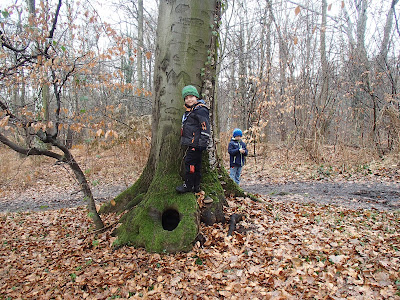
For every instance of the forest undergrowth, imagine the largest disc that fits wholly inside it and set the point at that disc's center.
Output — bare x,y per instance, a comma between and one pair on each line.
109,163
281,250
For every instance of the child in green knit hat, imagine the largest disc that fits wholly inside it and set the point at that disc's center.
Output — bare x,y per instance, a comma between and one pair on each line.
190,90
195,134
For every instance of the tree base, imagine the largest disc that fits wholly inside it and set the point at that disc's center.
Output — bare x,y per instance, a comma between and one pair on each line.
162,220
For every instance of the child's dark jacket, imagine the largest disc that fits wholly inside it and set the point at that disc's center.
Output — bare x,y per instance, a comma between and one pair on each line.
237,159
196,126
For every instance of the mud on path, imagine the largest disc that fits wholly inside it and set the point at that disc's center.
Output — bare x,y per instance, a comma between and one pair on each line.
353,195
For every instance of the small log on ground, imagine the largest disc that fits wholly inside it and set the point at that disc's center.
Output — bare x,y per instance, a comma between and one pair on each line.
235,218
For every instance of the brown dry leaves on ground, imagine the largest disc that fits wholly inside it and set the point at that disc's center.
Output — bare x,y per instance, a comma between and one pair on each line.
280,251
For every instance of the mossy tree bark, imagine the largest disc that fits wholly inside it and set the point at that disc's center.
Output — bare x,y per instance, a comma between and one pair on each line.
158,218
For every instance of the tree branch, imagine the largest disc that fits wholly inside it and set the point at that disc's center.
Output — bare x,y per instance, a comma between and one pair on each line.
7,45
30,151
312,11
53,28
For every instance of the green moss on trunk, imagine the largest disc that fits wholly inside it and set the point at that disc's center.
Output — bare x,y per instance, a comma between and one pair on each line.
143,226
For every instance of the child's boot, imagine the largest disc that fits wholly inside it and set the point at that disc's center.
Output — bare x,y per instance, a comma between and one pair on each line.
184,188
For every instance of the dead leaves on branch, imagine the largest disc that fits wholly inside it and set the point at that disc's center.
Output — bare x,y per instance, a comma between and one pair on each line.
280,251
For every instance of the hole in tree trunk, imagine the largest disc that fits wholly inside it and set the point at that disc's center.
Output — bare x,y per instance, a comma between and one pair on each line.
170,219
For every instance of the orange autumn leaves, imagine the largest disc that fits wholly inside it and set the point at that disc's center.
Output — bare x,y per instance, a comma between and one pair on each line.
282,250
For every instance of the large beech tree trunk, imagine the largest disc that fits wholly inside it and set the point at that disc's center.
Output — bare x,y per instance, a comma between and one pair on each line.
158,218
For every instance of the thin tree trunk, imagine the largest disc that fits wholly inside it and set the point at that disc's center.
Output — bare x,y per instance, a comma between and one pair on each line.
242,79
31,6
45,102
283,59
87,192
386,35
324,61
232,96
140,46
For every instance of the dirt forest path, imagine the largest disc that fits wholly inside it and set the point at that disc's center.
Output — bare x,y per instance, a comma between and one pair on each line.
33,200
37,184
353,195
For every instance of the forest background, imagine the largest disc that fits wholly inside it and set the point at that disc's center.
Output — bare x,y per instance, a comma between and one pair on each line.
295,74
313,84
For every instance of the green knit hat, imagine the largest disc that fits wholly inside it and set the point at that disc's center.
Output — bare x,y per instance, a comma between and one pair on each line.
190,90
